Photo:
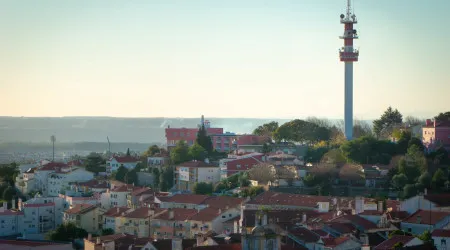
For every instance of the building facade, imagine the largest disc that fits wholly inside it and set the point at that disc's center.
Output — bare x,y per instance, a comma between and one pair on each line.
187,174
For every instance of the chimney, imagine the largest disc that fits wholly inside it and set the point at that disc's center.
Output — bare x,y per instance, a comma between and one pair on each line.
428,122
380,206
13,204
264,220
170,214
98,240
304,218
89,237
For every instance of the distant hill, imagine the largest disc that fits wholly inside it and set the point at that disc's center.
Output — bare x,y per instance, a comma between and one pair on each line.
119,130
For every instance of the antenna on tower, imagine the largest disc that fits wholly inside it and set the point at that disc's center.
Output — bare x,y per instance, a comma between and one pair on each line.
349,8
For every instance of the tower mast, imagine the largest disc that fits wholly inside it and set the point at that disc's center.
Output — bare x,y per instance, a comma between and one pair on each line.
348,55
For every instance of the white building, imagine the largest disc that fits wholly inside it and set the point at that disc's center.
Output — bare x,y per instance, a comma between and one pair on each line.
117,197
116,161
59,181
42,214
25,181
10,221
113,214
42,173
188,174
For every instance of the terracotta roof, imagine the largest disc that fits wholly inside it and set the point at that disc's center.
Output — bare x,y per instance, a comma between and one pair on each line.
196,164
270,198
304,234
334,242
142,212
441,233
206,214
441,200
426,217
342,228
223,202
389,243
179,214
185,198
394,204
286,217
80,209
355,220
321,233
11,212
397,215
49,204
115,211
236,246
30,243
125,188
94,184
141,191
124,159
52,166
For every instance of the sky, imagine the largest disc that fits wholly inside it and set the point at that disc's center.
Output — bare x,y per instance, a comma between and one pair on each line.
234,58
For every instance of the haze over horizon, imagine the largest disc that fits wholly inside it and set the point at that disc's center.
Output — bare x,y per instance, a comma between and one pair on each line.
221,59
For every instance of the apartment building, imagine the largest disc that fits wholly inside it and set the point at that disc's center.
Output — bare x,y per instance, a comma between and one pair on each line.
172,223
189,173
86,216
11,221
60,180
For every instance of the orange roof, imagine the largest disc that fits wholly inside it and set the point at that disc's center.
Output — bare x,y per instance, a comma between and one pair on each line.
441,233
206,214
196,164
287,199
334,242
143,212
115,211
426,217
223,202
179,214
389,243
185,198
125,188
125,159
80,209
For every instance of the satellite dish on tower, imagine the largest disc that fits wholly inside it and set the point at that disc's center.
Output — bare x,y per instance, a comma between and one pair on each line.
342,16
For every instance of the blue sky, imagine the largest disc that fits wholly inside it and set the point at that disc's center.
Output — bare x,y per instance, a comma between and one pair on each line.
149,58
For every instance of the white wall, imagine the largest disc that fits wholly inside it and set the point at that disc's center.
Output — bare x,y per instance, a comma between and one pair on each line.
442,243
208,174
415,203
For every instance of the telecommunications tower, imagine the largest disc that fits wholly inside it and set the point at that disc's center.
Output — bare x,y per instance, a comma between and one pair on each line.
348,55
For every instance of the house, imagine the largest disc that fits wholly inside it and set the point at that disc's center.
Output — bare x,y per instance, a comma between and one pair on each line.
279,201
60,180
189,173
118,241
135,198
42,214
172,222
158,160
435,202
110,216
115,162
202,222
136,221
189,135
25,181
441,238
304,237
93,185
436,134
340,243
86,216
399,240
282,159
190,201
239,163
424,220
117,196
42,173
225,142
11,221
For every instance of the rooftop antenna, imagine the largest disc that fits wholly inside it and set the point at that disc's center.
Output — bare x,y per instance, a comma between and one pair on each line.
53,139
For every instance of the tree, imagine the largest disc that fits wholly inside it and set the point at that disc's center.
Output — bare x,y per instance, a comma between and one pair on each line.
166,178
203,188
204,140
95,163
361,128
426,237
197,152
417,142
425,180
9,172
152,150
266,148
9,193
439,179
442,117
266,129
301,131
252,191
66,232
368,150
131,177
262,173
128,152
413,121
121,173
107,231
180,153
156,174
409,190
387,121
399,181
333,157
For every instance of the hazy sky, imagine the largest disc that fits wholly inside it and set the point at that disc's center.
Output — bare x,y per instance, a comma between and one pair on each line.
233,58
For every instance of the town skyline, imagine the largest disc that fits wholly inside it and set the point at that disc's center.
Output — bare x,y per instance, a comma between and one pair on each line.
169,59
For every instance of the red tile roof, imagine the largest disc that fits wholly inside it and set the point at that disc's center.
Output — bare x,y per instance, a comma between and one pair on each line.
236,246
389,243
441,200
53,166
196,164
355,220
142,191
441,233
397,215
179,214
143,212
394,204
426,217
342,228
334,242
50,204
270,198
11,212
321,233
185,198
206,214
125,188
304,234
115,211
80,209
29,243
223,202
94,184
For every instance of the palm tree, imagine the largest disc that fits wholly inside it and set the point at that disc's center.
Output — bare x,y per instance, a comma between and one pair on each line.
53,139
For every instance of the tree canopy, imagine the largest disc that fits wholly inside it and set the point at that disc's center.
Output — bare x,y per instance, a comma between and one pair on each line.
152,150
204,140
368,150
301,131
95,163
180,153
443,117
266,129
9,172
166,178
66,232
197,152
203,188
384,125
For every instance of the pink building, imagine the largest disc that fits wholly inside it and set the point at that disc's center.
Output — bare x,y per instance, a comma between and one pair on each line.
189,135
436,134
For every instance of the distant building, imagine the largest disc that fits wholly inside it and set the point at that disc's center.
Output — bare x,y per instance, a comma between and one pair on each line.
85,216
189,173
239,163
116,161
436,134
